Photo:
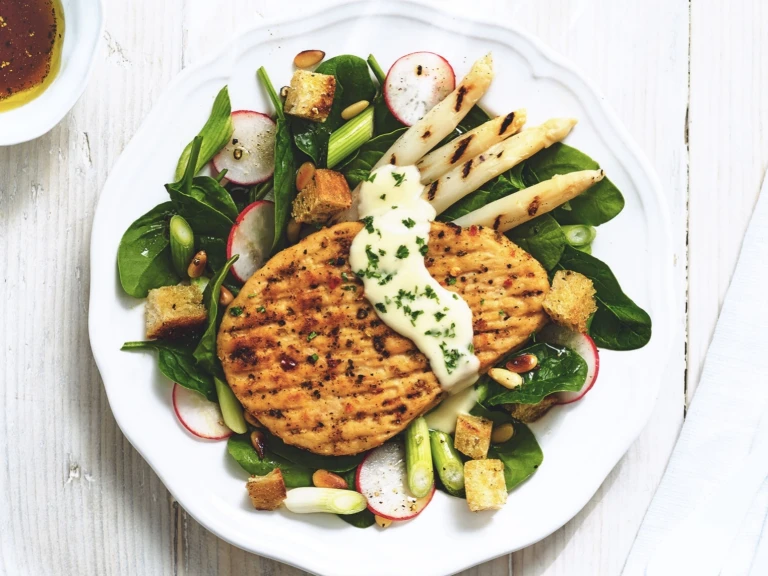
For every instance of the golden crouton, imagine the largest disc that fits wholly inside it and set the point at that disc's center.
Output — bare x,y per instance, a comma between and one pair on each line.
473,436
267,492
324,196
571,301
484,484
531,412
173,311
310,95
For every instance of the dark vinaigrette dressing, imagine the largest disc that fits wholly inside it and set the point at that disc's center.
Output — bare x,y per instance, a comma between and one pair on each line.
31,34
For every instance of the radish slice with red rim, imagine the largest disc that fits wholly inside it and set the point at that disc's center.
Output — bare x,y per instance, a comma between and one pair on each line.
584,346
199,415
382,479
251,237
249,156
415,83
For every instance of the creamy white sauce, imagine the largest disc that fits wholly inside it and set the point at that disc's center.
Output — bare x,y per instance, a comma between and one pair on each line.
388,254
444,417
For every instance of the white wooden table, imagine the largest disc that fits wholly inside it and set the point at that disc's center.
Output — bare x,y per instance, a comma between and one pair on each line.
687,78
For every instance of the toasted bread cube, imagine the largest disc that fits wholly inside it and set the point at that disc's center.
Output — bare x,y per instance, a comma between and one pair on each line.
531,412
473,436
484,484
267,492
174,311
571,300
324,196
310,95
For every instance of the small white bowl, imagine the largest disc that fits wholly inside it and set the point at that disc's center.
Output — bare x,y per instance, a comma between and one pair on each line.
83,26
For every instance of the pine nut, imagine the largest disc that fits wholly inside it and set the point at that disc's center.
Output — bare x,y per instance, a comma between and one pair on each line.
304,175
324,479
502,433
308,58
251,420
257,441
522,363
225,296
382,522
197,264
505,377
293,230
284,91
354,109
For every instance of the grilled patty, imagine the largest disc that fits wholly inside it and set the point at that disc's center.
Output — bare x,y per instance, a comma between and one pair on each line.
310,359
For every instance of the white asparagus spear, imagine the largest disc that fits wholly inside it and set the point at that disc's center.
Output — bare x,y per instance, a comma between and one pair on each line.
442,118
517,208
469,176
469,145
436,125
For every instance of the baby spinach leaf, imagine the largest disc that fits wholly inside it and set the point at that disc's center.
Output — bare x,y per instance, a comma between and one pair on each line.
559,370
310,460
542,238
144,255
474,118
521,455
359,168
285,164
201,215
284,188
596,206
205,353
491,191
201,200
215,134
362,519
619,323
177,363
240,448
215,195
215,248
353,83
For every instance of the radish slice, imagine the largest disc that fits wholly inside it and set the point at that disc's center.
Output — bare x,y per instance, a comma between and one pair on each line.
584,346
251,237
199,415
415,83
249,156
382,479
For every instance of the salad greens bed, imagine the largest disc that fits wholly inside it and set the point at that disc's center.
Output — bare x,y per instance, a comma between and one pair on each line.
560,240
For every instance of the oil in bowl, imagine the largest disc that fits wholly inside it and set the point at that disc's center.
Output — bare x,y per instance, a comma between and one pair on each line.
31,36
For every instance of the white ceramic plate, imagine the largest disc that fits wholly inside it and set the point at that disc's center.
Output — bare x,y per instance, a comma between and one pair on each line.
83,25
581,442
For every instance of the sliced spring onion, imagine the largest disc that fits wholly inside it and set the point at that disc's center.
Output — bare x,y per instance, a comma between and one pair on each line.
418,458
201,282
182,244
377,71
329,500
350,137
579,235
230,408
450,467
587,249
271,92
